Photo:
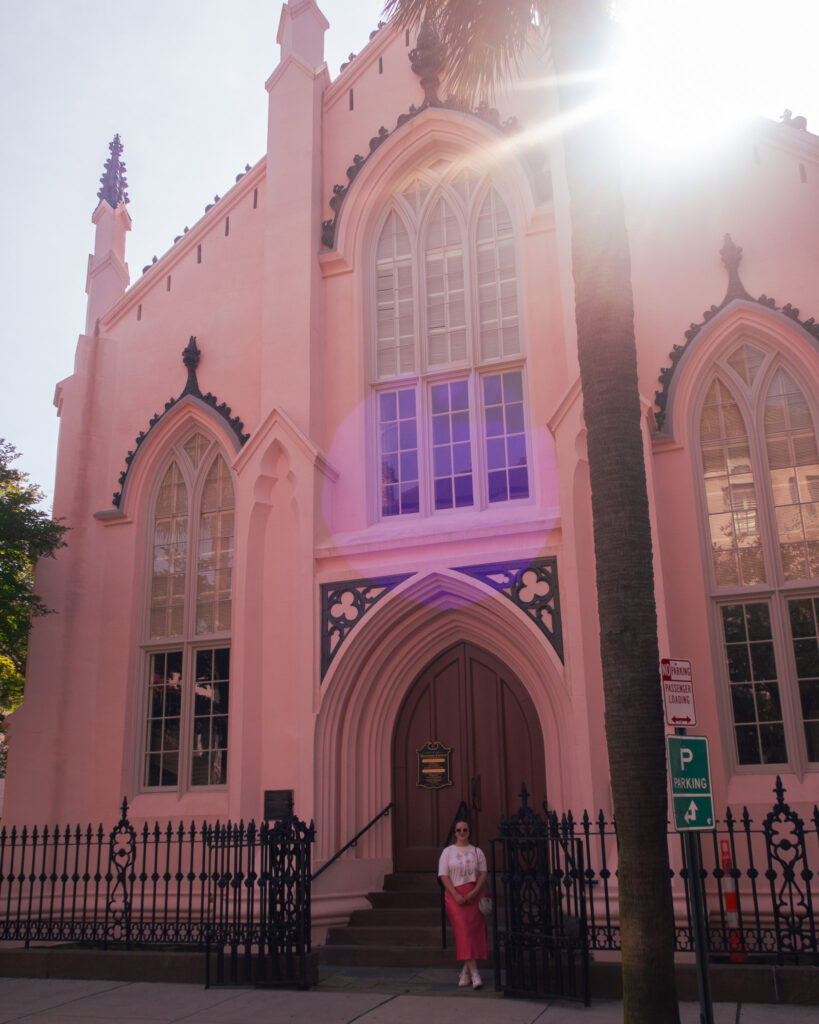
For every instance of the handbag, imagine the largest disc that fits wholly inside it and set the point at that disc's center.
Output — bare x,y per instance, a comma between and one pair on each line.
485,906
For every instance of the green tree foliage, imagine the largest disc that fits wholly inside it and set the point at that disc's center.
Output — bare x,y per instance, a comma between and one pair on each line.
27,533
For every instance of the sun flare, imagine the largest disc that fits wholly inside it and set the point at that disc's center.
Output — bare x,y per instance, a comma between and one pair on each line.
690,72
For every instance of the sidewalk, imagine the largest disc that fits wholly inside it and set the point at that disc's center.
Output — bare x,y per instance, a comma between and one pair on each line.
56,1001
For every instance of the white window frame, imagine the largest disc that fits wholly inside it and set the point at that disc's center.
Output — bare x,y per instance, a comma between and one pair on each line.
189,642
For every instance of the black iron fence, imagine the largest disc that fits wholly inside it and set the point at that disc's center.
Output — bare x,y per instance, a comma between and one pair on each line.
240,890
758,883
243,891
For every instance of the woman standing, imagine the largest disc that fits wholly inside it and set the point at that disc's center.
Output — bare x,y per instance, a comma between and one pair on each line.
462,870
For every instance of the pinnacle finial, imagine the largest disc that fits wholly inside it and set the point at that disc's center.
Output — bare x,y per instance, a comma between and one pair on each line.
190,358
731,254
114,186
427,60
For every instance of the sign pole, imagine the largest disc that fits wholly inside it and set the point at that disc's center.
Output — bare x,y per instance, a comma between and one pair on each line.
698,922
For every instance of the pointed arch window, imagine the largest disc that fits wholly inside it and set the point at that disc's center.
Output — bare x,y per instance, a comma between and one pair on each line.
187,653
760,475
447,365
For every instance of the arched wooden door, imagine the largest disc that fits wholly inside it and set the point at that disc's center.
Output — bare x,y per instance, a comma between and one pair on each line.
470,701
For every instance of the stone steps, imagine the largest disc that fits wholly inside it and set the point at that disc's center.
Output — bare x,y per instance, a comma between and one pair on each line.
402,928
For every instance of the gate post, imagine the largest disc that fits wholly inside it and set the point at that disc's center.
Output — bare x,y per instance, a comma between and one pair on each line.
121,857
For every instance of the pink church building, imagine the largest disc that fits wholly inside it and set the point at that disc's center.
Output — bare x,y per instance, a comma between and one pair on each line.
324,467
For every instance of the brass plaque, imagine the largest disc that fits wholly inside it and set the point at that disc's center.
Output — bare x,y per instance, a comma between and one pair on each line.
434,765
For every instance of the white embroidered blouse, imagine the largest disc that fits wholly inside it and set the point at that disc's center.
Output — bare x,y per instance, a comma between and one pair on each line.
462,864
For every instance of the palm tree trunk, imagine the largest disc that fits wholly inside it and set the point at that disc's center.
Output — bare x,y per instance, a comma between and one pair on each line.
607,355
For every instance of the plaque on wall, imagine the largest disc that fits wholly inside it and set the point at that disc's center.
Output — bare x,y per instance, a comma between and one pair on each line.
278,803
434,765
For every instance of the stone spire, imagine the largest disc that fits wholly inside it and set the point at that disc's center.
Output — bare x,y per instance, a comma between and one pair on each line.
108,276
113,184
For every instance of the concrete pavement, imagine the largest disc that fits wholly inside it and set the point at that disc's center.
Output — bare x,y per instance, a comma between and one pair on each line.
364,1000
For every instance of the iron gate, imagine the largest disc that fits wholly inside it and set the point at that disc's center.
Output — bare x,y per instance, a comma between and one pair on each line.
259,918
540,934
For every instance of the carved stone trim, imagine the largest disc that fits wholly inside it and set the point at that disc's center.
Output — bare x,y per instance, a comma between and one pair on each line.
731,257
532,587
427,61
344,605
191,355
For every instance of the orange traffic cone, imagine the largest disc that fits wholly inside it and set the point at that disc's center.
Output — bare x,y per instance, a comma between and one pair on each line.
737,953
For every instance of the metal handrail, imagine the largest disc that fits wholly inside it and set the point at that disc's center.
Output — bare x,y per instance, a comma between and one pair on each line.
354,841
460,815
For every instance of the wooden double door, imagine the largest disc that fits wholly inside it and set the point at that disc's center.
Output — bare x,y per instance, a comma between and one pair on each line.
471,702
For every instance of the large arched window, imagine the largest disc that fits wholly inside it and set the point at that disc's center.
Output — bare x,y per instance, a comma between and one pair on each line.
760,474
187,650
446,365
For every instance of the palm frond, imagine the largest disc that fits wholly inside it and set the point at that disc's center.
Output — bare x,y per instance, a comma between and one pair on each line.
484,39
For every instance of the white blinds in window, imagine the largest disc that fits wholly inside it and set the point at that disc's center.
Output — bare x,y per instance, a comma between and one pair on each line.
733,518
444,274
395,330
793,463
497,281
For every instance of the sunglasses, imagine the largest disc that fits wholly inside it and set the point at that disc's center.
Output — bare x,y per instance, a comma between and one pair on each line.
461,829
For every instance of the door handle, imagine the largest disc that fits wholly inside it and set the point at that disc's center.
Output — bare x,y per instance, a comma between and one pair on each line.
476,792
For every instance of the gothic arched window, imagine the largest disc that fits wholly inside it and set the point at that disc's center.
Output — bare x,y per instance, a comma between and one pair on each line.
187,650
446,360
760,474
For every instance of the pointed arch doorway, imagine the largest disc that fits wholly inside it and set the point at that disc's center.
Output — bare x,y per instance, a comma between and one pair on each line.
468,700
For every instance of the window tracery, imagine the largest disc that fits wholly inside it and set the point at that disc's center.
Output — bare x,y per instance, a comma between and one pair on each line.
446,365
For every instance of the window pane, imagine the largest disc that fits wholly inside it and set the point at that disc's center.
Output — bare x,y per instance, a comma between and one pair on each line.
748,745
803,616
507,469
763,663
730,491
793,463
163,710
772,740
739,662
743,702
756,707
398,457
214,574
451,446
746,360
210,721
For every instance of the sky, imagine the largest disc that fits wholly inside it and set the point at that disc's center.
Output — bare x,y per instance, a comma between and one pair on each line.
182,82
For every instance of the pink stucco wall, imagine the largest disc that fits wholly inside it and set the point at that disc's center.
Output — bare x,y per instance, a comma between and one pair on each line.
282,325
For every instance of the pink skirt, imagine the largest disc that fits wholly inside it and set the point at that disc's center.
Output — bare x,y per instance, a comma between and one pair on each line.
469,925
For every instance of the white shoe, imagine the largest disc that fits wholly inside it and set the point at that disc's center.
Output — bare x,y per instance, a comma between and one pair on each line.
476,980
463,981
